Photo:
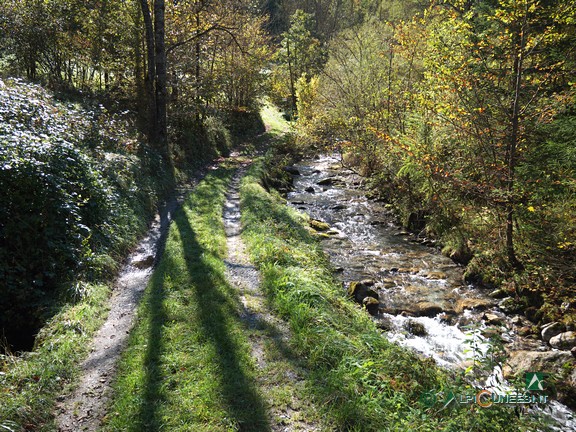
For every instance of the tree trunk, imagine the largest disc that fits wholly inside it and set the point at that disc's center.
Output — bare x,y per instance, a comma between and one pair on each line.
151,75
197,70
161,80
291,73
511,155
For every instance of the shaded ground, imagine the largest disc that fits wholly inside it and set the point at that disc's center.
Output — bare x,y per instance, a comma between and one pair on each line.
84,408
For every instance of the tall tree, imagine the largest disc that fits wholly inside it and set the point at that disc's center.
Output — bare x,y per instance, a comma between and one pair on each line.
494,75
156,80
301,54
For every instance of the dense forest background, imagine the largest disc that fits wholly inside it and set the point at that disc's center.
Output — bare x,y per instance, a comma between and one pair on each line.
460,113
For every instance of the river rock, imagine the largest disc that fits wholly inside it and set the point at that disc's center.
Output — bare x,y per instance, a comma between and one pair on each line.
524,331
492,318
359,292
552,362
339,207
143,263
499,294
376,222
427,309
560,365
573,352
384,323
310,189
436,275
519,320
318,225
492,333
292,170
472,303
388,283
550,330
564,341
371,304
416,328
330,181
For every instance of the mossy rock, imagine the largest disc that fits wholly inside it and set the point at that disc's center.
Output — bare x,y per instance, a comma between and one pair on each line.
415,328
318,225
359,291
372,305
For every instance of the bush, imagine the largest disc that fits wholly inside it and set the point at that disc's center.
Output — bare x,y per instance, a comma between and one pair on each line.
68,209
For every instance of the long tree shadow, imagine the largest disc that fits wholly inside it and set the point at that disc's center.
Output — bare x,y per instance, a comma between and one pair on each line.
216,308
148,418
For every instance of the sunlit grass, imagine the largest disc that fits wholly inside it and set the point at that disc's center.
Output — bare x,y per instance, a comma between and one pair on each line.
273,119
188,364
363,382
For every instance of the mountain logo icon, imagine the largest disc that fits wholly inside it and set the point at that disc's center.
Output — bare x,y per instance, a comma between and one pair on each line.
534,381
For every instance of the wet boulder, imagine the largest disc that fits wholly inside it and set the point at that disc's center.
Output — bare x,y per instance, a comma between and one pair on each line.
559,365
310,189
551,362
317,225
435,275
415,328
331,181
144,262
550,330
492,319
292,170
359,291
564,341
427,309
371,304
473,303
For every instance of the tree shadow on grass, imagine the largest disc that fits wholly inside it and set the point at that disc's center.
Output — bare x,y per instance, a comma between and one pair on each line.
217,313
147,418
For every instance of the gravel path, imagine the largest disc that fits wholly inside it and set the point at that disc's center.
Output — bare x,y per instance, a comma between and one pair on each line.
284,417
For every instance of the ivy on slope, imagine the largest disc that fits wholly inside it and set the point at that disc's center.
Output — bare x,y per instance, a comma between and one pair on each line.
74,196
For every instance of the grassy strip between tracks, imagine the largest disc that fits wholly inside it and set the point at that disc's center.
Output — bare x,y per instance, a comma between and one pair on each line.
364,382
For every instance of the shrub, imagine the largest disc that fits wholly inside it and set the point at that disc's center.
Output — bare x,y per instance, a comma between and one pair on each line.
68,209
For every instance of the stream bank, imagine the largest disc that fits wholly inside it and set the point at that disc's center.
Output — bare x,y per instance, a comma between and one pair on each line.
418,295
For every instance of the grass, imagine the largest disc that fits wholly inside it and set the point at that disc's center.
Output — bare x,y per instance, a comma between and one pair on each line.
273,119
363,382
188,364
29,384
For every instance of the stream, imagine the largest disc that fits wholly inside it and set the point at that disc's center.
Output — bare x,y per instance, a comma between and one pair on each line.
424,303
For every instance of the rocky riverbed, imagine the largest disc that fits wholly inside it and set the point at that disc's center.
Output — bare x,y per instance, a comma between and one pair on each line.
419,296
